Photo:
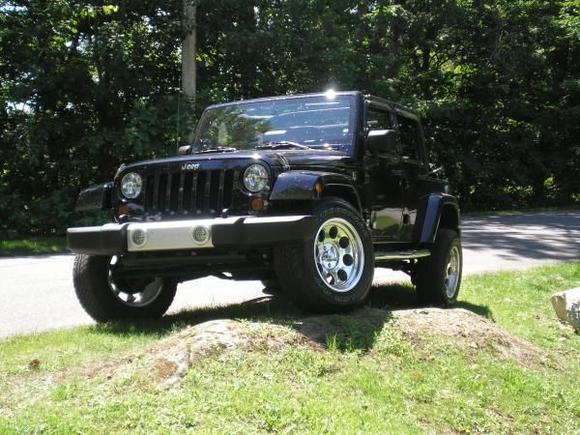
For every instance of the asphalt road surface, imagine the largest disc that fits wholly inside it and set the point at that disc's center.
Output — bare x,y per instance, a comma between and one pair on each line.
36,293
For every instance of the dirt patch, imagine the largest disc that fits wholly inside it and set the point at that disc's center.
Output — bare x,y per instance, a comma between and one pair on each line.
466,329
172,357
169,360
457,326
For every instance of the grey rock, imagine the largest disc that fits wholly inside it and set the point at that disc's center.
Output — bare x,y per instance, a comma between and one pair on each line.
567,306
574,315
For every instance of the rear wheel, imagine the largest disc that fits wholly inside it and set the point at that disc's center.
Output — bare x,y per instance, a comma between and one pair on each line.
438,277
105,297
333,269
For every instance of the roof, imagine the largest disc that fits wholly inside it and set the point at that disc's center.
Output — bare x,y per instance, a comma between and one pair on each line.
282,97
395,107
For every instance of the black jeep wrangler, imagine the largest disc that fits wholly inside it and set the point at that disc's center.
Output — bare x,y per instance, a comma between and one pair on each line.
307,193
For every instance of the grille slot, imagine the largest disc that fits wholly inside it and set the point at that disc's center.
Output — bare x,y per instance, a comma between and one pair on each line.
170,193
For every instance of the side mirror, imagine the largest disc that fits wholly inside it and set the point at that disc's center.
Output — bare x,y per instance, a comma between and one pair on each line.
382,141
184,150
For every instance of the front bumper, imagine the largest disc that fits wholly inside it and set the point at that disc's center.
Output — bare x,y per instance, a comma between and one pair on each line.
231,232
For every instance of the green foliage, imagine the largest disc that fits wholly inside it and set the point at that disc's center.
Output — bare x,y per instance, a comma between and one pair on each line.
42,245
85,86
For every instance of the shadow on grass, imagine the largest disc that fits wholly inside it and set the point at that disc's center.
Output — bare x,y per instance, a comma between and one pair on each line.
265,308
394,296
353,332
481,310
400,296
346,332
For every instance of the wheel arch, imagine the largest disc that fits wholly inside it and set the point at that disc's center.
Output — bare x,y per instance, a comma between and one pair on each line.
95,198
345,192
438,210
314,186
449,217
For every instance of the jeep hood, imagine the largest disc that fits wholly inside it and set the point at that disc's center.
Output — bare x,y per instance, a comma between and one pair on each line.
283,160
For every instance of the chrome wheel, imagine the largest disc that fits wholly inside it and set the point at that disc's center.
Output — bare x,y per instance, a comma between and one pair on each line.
452,272
339,254
137,295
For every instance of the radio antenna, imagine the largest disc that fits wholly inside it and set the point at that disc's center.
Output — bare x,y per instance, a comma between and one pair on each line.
178,127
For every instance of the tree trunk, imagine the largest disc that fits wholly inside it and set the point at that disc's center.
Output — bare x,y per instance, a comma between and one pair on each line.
188,51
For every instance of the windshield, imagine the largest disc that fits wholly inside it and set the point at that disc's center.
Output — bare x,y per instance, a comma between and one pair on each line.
289,123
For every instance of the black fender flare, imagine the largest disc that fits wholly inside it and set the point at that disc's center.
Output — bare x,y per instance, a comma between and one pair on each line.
95,198
433,208
301,185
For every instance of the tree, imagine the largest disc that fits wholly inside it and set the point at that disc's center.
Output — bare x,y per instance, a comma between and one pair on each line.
86,85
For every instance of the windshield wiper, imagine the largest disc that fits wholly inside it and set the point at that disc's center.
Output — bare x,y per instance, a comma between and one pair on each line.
217,150
283,144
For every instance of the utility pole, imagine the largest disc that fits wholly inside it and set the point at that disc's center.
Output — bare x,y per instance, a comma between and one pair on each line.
188,50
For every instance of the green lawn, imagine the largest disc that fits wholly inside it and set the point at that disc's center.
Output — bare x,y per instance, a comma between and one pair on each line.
34,245
364,380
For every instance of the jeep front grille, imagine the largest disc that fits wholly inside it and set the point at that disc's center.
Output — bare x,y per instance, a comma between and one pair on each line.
189,193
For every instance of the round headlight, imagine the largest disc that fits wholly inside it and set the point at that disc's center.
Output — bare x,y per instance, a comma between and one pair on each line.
131,185
256,178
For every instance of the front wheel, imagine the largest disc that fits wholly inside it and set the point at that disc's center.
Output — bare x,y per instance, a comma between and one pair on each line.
333,269
105,297
438,277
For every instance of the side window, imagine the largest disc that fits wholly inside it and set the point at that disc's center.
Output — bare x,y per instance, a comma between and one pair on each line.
378,119
409,131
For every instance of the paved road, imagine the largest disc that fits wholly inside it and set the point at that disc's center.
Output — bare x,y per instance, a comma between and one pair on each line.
37,292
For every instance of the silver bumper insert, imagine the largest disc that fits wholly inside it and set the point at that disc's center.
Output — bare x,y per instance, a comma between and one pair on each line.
187,234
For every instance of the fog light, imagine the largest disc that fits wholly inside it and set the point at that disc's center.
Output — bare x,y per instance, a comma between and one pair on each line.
139,237
201,235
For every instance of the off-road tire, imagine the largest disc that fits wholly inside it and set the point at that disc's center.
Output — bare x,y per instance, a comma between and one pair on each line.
298,271
430,273
94,293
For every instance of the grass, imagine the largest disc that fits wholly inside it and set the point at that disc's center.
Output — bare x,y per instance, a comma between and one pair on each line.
363,380
33,245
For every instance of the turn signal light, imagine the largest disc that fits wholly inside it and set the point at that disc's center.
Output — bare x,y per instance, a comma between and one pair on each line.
123,209
257,204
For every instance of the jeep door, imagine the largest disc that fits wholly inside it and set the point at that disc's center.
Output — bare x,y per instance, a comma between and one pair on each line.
415,168
385,180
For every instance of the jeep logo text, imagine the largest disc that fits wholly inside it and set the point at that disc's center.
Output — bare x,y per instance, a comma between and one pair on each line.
190,167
